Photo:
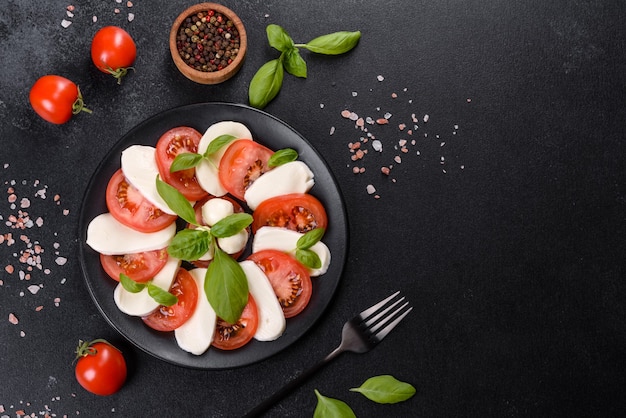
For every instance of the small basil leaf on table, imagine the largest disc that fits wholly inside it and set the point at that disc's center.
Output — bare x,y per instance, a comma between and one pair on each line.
190,244
130,285
176,201
226,287
385,389
184,161
331,408
294,63
333,43
161,296
282,156
231,225
279,38
266,83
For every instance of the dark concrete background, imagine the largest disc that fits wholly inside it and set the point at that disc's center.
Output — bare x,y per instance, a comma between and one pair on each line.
506,230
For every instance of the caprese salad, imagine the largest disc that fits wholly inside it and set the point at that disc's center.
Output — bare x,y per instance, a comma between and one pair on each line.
180,219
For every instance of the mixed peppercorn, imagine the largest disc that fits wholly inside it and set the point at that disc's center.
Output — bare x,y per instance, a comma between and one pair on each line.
208,41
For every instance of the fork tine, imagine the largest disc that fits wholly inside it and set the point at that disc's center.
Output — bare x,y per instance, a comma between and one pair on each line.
382,334
369,311
370,321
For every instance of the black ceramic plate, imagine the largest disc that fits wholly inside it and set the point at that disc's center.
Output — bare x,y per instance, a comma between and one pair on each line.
274,134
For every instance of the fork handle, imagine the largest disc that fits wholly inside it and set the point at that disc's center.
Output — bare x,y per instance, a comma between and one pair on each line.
290,386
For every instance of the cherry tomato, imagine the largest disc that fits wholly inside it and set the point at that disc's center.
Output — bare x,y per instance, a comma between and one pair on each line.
113,51
173,142
100,367
231,336
290,279
243,162
299,212
140,267
56,99
168,318
198,209
129,207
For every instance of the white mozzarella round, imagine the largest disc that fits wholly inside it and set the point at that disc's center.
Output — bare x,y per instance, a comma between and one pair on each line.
107,236
196,334
271,318
140,169
141,303
286,240
215,210
207,170
292,177
234,243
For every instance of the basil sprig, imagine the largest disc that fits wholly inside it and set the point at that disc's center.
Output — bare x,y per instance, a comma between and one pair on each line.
187,160
304,254
225,283
267,82
161,296
385,389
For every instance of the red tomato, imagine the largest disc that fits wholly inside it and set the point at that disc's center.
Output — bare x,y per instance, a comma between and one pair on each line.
229,337
128,206
168,318
56,99
290,279
298,211
243,162
140,267
173,142
198,208
100,367
113,51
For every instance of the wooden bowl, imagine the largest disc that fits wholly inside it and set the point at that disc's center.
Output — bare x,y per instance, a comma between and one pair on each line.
208,77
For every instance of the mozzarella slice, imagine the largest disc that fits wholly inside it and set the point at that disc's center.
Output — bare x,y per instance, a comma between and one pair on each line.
207,170
196,334
107,236
140,169
271,318
234,243
292,177
215,210
286,240
141,303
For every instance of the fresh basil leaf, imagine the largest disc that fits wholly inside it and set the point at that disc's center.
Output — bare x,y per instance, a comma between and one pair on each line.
282,156
130,285
161,296
311,238
218,143
266,83
176,201
184,161
331,408
231,225
308,258
385,389
190,244
279,38
294,63
333,43
226,287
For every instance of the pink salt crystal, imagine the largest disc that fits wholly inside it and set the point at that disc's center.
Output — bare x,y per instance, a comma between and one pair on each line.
13,319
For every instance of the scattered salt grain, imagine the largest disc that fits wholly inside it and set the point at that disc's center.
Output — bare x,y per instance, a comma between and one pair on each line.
69,14
65,23
131,17
13,319
33,288
426,117
377,145
332,130
61,260
370,189
94,18
380,78
354,94
397,159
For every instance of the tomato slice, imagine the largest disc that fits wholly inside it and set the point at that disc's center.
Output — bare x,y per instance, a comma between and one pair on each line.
299,212
237,208
243,162
140,267
129,207
231,336
173,142
290,279
168,318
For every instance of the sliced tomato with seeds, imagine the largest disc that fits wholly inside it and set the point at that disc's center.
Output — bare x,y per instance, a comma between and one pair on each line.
231,336
243,162
299,212
290,279
168,318
198,209
129,207
140,267
176,141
